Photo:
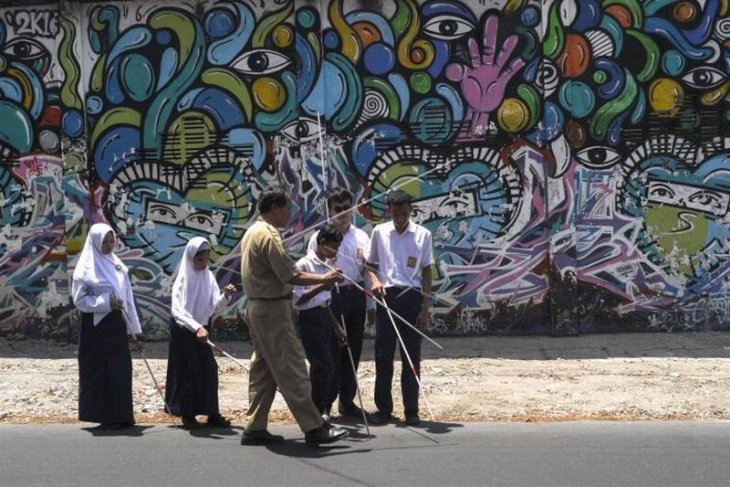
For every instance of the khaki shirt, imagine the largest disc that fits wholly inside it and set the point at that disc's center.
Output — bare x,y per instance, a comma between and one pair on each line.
266,268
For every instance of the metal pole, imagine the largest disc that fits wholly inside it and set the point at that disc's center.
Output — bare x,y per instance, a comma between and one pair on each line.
410,362
343,327
382,303
216,347
146,362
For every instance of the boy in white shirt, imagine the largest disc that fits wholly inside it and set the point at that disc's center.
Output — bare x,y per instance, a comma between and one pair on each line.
402,253
315,323
348,302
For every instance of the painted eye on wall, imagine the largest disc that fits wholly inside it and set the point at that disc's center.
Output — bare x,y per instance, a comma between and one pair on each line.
302,130
162,213
200,221
598,157
661,192
205,222
704,77
714,202
448,27
260,61
24,49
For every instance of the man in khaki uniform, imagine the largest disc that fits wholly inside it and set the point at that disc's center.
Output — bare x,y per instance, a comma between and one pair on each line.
278,359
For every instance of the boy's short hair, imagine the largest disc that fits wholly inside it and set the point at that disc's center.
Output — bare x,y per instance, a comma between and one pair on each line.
329,233
339,195
271,196
397,198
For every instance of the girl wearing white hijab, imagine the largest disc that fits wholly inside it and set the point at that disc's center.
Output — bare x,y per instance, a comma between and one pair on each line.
192,372
103,293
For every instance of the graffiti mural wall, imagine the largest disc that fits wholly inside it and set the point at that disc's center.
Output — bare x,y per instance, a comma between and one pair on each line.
572,158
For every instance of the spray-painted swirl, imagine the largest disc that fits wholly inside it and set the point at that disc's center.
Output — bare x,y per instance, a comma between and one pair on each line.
192,54
71,69
412,54
350,43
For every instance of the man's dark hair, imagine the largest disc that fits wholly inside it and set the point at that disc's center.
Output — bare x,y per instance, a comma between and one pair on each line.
272,196
329,234
397,198
339,195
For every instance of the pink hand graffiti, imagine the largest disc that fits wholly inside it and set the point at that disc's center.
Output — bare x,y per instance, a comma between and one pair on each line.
484,82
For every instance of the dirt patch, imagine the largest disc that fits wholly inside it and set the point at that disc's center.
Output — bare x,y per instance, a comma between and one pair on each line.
681,379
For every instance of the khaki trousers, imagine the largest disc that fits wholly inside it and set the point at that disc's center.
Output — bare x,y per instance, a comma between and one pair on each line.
278,359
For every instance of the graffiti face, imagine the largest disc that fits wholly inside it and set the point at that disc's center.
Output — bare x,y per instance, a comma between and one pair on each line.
689,197
159,213
684,203
466,201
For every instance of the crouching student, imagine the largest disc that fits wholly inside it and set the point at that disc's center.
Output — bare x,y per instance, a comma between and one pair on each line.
317,328
192,373
103,293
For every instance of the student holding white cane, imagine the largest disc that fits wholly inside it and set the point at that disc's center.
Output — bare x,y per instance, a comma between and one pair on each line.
192,372
402,252
102,292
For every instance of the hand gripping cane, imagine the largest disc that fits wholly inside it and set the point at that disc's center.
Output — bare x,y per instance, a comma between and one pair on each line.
343,328
382,303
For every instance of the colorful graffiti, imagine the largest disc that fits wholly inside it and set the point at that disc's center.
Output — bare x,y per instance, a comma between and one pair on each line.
572,158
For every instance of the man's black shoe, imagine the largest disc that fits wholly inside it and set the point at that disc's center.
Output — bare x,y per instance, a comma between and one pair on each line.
350,410
379,418
260,437
326,433
412,419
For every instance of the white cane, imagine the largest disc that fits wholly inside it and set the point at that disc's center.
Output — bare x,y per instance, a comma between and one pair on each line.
382,303
216,347
408,356
343,327
146,362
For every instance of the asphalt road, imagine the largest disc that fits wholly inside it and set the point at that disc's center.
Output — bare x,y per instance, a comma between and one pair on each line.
485,454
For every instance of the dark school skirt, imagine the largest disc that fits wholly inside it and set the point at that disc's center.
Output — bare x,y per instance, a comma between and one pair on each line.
192,375
105,370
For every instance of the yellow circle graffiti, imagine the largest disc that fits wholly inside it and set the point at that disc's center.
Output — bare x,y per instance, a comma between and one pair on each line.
268,94
665,96
513,115
283,36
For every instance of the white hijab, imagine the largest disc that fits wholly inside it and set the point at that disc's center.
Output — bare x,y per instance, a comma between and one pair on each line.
194,293
105,273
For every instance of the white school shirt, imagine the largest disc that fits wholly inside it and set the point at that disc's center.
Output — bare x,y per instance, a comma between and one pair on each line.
351,254
310,263
351,257
400,257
